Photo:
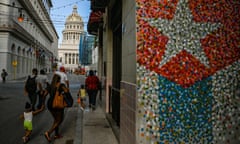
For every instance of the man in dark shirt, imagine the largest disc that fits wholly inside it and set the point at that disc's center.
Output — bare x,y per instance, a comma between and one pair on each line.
92,84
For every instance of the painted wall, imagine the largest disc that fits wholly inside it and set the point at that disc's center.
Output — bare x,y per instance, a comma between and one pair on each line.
188,71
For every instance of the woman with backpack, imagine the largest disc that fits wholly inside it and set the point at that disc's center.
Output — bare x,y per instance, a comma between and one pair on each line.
30,88
57,113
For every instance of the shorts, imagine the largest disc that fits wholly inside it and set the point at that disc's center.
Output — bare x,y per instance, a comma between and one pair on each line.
83,99
27,125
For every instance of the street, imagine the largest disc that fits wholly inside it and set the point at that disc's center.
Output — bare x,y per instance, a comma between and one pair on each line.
12,103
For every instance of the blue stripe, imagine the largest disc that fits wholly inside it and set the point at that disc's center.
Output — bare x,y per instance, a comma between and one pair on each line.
190,118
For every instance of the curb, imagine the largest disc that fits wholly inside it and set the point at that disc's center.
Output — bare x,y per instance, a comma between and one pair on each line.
79,127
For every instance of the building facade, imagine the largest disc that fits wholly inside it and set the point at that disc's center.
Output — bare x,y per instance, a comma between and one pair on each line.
68,52
86,50
172,69
28,38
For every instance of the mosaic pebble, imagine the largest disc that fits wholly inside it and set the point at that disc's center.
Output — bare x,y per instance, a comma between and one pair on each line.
185,97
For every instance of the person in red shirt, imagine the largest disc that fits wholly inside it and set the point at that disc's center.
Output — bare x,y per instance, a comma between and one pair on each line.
91,84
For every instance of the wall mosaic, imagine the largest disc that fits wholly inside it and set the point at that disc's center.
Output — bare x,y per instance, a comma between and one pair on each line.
188,71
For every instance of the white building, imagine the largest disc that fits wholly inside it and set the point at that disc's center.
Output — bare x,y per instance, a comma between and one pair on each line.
68,52
29,42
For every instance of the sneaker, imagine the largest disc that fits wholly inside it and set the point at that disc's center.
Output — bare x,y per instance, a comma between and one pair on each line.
25,139
86,110
93,108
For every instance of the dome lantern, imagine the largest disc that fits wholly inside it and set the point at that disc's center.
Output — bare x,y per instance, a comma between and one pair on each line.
74,17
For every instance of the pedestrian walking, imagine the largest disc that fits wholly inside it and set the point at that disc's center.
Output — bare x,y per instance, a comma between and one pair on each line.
58,114
27,116
82,96
64,78
92,85
42,88
4,74
30,88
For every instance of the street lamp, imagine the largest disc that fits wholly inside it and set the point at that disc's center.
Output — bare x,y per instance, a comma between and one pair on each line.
21,16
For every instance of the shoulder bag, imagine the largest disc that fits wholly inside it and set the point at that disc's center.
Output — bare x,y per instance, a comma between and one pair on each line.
58,101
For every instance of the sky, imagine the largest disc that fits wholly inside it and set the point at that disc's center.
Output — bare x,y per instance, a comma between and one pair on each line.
63,8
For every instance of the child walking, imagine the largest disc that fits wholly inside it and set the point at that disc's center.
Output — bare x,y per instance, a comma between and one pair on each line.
82,96
27,116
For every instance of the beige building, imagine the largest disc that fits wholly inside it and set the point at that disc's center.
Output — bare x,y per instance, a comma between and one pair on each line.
28,38
68,51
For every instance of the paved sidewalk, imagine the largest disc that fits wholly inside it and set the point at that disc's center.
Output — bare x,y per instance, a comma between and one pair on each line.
88,127
96,128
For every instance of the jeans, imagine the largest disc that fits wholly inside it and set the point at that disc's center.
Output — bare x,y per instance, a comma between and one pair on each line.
3,79
41,99
92,97
33,99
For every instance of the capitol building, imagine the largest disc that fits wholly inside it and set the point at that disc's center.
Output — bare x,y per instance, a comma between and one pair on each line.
68,51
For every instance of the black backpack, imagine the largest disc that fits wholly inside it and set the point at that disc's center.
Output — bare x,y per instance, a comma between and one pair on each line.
31,84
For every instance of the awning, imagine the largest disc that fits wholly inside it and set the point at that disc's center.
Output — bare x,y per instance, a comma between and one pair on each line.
95,19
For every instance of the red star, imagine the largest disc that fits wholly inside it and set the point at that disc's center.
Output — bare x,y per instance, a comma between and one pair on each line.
221,47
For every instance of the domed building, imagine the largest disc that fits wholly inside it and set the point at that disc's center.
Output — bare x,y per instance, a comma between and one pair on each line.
68,52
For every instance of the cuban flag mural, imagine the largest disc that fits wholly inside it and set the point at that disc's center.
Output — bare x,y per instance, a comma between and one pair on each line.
188,71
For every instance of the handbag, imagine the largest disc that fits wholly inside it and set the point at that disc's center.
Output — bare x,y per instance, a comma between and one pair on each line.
58,101
68,99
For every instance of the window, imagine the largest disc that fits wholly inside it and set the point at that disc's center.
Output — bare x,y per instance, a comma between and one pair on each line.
73,61
65,58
